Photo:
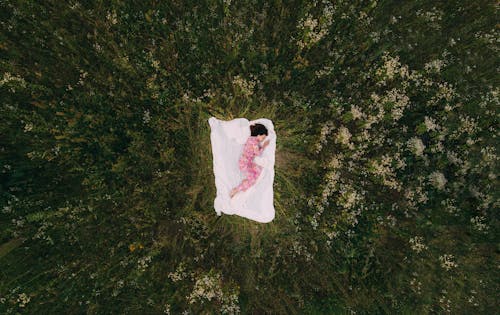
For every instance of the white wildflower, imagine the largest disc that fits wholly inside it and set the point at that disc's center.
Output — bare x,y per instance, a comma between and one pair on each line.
146,116
23,299
83,75
417,244
325,131
246,86
230,304
478,223
8,78
312,30
166,310
206,288
430,124
447,261
143,263
416,146
391,68
7,209
399,100
343,135
179,274
331,178
445,302
348,198
75,5
375,36
434,66
468,124
111,17
416,286
437,179
155,64
432,17
446,91
335,161
356,112
489,154
28,127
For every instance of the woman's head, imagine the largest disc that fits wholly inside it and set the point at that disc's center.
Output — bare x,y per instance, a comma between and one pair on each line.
258,130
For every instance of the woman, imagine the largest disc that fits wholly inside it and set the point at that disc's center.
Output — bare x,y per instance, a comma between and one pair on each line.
252,148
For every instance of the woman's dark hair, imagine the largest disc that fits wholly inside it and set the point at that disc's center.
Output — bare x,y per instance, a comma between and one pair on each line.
258,129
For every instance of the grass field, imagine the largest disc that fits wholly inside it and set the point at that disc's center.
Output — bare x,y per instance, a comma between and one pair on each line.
386,115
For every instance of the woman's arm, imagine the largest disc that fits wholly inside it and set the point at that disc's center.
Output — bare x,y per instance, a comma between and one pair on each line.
258,149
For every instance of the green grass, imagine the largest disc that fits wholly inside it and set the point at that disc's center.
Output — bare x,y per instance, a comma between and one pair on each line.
106,173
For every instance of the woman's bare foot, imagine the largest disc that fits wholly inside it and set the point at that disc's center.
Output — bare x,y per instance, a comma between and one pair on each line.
233,192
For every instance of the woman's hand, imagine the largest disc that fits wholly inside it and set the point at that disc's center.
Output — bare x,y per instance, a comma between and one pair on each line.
258,149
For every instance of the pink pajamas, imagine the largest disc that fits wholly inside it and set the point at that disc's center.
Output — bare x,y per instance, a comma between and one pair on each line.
246,164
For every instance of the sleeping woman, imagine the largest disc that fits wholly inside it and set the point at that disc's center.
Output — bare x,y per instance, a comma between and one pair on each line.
252,148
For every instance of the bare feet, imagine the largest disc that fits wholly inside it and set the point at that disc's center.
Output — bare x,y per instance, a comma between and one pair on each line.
233,192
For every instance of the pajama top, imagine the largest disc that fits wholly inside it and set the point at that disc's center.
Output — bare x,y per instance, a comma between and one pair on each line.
247,165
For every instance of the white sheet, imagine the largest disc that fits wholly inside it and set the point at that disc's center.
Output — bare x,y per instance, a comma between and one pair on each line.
228,139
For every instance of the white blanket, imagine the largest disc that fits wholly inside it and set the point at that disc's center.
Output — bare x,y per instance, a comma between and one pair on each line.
228,139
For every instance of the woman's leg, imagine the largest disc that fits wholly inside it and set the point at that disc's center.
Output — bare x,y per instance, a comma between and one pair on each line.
252,173
244,183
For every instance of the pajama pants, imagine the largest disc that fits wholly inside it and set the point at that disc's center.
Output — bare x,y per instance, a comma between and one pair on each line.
252,172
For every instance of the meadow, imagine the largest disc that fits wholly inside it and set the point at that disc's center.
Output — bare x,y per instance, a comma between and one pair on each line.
386,115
